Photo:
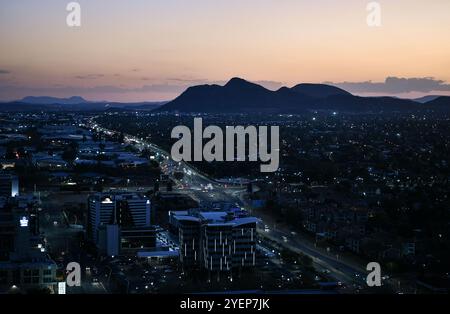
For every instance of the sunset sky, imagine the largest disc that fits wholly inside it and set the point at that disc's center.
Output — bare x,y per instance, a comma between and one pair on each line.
146,50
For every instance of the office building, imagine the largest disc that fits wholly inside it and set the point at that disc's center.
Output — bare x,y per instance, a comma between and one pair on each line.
108,240
127,210
119,223
24,262
9,185
216,241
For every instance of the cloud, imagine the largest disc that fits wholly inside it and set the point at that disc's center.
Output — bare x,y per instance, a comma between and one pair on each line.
101,89
396,85
3,71
175,79
165,90
191,81
160,88
89,76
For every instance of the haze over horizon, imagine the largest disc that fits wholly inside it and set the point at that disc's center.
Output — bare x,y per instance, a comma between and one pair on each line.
150,51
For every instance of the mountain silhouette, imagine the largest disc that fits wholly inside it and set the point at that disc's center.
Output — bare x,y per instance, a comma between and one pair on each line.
237,95
426,99
241,96
46,100
319,90
441,102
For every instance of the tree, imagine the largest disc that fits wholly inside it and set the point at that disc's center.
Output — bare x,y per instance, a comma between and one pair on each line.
70,152
121,137
178,175
306,260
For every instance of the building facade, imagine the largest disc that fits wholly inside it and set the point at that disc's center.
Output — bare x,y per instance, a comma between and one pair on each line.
216,241
119,224
123,209
9,185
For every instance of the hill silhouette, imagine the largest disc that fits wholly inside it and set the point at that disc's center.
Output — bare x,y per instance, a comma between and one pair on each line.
241,96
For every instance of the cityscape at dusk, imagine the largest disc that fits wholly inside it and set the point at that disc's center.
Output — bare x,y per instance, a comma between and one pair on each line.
225,155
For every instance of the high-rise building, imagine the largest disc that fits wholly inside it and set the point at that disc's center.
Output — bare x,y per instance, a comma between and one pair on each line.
9,185
189,228
108,239
124,209
7,234
216,241
24,262
119,223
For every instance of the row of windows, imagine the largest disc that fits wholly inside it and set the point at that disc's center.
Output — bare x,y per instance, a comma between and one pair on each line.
29,277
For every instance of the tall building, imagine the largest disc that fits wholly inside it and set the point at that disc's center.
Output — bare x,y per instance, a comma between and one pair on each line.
11,209
7,234
108,240
120,223
124,209
24,262
216,241
189,228
9,185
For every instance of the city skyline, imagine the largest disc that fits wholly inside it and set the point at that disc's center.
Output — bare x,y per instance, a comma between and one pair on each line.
141,51
226,154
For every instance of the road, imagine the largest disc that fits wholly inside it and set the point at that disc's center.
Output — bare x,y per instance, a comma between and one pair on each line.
205,189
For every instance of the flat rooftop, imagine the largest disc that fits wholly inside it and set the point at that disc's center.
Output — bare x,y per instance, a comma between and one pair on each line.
215,218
